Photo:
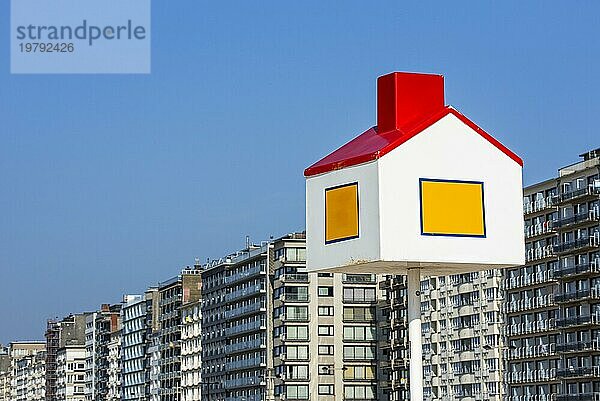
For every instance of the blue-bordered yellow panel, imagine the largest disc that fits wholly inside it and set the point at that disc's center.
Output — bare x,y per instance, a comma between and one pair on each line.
452,208
341,213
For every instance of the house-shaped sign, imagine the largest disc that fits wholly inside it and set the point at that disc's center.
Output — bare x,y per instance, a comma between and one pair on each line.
426,188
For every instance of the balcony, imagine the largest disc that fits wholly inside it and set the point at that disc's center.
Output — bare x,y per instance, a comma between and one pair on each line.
578,321
356,300
578,397
536,326
583,371
539,229
295,278
577,245
573,270
591,216
245,363
520,305
359,279
244,293
538,205
578,295
243,382
540,253
534,351
257,343
578,346
245,275
530,397
245,310
244,328
578,194
295,318
529,279
290,297
530,376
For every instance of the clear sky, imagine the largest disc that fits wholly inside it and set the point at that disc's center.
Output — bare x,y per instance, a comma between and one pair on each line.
111,183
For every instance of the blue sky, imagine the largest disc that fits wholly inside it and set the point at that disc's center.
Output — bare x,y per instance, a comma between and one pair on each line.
110,183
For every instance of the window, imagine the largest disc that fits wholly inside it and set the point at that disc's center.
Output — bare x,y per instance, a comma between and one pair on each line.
296,333
356,294
358,352
360,333
359,314
325,349
325,291
325,310
325,330
298,352
326,370
297,372
299,313
325,389
296,392
359,392
359,373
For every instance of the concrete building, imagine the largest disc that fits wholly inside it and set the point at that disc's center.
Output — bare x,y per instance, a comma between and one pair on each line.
553,302
191,351
70,373
70,332
271,331
139,320
173,294
4,373
20,362
114,367
29,377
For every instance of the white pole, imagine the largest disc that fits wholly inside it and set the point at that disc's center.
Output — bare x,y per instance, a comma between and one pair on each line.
415,379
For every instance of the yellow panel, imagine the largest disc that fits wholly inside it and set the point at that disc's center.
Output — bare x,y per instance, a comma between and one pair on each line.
453,208
341,213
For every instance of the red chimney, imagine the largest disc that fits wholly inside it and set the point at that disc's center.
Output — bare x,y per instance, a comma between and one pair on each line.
405,98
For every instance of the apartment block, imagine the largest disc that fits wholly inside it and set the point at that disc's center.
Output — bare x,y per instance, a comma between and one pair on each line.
271,331
29,377
70,372
191,351
22,355
100,328
60,334
553,302
4,373
173,294
461,319
139,320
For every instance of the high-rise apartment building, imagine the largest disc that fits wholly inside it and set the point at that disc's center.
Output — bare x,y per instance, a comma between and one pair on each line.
173,294
271,331
4,374
553,302
139,320
22,355
29,377
60,335
462,336
191,351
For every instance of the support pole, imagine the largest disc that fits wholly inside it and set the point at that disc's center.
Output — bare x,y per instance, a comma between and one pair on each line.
415,379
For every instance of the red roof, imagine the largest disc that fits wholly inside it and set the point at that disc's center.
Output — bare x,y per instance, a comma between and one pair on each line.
372,144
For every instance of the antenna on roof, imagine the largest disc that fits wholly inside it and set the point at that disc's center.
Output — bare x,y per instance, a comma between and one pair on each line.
247,242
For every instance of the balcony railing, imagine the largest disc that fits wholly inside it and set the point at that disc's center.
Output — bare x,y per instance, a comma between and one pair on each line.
571,270
578,320
578,193
295,318
531,397
534,351
592,215
539,253
541,301
583,371
244,275
359,278
578,397
244,293
538,229
580,243
295,278
593,293
244,310
529,279
530,376
538,205
577,346
244,328
536,326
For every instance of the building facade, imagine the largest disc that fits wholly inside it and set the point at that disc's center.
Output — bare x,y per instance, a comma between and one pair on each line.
271,331
173,294
70,373
22,358
191,351
553,302
4,373
29,377
139,322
